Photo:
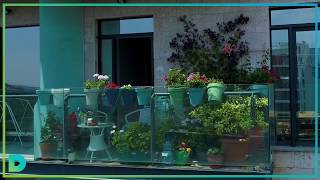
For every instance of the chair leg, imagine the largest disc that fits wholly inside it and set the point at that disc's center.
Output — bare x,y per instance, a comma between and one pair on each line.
91,156
108,154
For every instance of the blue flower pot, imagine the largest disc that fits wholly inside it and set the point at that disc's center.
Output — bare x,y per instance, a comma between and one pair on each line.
128,97
263,89
196,96
144,95
110,97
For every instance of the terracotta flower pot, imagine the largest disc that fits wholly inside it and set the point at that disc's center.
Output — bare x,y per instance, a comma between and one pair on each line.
48,150
235,149
215,161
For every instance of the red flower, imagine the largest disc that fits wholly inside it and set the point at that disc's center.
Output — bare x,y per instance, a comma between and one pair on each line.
112,85
165,78
227,49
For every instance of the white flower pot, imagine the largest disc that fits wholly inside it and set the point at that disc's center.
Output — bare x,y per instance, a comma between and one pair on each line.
92,97
58,96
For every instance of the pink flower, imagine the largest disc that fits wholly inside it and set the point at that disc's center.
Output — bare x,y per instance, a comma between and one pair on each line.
204,78
165,78
227,49
191,77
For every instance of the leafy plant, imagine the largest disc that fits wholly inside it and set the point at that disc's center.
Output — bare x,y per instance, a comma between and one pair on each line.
51,129
233,117
98,82
136,138
195,80
214,151
128,86
220,54
175,78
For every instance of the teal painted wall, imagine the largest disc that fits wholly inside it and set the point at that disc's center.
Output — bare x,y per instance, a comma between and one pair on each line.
61,42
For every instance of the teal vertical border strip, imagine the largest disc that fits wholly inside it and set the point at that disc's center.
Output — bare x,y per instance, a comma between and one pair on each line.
316,74
299,176
3,89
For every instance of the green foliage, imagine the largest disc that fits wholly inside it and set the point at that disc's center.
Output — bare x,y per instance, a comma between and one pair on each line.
136,138
175,78
233,117
195,80
128,86
89,84
214,151
50,131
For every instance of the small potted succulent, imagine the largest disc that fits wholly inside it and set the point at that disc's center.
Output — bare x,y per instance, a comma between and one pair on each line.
176,83
197,88
215,157
183,154
215,90
49,139
44,97
128,95
111,94
93,88
144,95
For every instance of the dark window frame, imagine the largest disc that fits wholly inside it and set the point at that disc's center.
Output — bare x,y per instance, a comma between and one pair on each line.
114,37
292,29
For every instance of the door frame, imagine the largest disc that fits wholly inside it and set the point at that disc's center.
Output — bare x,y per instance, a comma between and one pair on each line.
292,29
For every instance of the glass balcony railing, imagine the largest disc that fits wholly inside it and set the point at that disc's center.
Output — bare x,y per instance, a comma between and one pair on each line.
156,126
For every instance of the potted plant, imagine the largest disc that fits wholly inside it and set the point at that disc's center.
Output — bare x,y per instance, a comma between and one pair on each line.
215,157
197,87
176,83
44,97
144,95
49,137
133,144
183,154
111,94
128,95
232,120
215,90
93,87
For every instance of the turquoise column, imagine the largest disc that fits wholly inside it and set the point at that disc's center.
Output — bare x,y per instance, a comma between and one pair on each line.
61,55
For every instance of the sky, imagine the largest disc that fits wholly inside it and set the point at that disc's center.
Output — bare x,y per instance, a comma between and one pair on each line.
23,56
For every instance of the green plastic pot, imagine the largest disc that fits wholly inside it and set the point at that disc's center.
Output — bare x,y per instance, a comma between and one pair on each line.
44,97
177,96
182,158
144,95
196,96
215,91
263,89
92,97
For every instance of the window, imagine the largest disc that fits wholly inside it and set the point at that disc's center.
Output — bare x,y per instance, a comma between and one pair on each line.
22,60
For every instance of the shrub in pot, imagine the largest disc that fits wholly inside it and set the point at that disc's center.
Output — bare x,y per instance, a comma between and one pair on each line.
93,88
231,120
215,157
50,136
133,144
128,95
144,95
197,88
176,83
215,90
110,94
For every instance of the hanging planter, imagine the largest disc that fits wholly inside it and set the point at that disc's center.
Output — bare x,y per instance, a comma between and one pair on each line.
215,91
177,96
110,97
44,97
144,95
58,96
196,96
128,95
263,89
92,97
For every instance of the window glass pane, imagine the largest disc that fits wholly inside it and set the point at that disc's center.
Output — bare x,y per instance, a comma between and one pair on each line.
280,63
305,43
293,16
22,60
127,26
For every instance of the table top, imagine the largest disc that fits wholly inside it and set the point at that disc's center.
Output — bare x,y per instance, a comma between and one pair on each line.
100,125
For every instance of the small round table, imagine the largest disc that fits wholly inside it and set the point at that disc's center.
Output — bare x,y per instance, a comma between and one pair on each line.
96,139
